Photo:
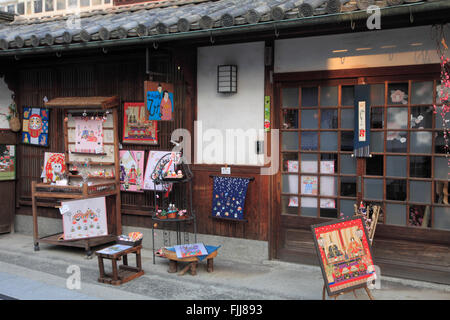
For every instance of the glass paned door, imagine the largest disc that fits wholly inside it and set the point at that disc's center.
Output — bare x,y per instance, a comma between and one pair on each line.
407,173
318,170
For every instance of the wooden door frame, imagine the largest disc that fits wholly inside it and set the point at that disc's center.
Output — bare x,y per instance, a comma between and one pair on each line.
361,76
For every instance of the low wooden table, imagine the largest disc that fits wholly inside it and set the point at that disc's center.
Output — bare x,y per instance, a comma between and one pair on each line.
125,272
192,262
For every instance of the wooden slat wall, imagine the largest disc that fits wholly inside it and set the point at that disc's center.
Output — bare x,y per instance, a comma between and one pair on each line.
256,208
119,75
124,75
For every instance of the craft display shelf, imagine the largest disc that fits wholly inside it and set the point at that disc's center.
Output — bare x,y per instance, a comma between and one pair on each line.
90,187
184,183
62,193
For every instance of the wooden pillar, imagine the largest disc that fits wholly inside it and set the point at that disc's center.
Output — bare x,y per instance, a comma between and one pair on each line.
35,218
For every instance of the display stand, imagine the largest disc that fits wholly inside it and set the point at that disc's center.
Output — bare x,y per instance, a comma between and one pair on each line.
183,183
89,184
191,265
124,272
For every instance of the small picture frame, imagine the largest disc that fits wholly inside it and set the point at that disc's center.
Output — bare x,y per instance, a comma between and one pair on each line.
137,128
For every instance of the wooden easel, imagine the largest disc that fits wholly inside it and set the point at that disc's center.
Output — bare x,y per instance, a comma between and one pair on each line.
373,224
335,296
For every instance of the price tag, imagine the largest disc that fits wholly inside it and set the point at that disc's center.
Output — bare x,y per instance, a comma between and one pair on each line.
64,209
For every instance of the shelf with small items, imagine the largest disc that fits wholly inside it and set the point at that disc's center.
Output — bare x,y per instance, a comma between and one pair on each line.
179,211
171,214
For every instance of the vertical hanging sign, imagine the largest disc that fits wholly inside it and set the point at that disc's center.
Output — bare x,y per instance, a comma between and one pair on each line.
361,140
362,121
267,113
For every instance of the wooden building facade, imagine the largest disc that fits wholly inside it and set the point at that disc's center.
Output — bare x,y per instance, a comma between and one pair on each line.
400,248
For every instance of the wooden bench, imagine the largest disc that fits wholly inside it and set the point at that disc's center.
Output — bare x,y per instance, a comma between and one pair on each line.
125,272
192,262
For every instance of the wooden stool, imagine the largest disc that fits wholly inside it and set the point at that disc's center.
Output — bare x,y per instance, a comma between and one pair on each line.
192,262
125,272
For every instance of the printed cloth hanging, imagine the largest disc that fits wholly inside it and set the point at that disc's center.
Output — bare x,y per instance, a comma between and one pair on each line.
229,197
361,140
35,126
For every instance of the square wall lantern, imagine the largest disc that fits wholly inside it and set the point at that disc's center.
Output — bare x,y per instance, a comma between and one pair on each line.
227,79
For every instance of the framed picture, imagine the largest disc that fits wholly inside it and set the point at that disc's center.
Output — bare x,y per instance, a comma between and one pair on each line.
131,170
84,218
7,162
163,166
344,253
35,126
54,166
137,128
159,100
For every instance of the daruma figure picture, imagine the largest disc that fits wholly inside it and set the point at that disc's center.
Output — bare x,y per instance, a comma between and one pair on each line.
35,126
344,254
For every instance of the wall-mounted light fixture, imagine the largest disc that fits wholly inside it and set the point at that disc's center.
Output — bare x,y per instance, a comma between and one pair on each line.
227,79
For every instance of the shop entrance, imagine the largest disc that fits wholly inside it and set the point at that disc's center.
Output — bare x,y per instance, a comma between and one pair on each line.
320,179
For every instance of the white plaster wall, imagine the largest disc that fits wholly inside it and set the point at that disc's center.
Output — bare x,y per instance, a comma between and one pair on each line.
5,101
217,112
379,48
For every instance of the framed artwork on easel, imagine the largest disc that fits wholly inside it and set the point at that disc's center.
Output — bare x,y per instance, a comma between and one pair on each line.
344,253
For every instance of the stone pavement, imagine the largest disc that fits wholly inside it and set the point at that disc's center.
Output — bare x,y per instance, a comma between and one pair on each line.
25,274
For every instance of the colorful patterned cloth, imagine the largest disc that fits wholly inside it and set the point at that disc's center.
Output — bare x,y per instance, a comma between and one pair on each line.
229,197
210,250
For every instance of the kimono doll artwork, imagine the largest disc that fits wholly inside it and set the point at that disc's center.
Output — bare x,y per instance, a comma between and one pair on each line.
137,128
54,166
131,170
344,254
89,136
35,126
84,218
160,104
166,106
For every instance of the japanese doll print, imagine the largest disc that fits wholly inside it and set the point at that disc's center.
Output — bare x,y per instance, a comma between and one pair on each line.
84,218
344,253
159,102
89,135
137,128
54,166
131,170
35,126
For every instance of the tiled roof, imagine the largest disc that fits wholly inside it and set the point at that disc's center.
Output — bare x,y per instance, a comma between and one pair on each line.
168,17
